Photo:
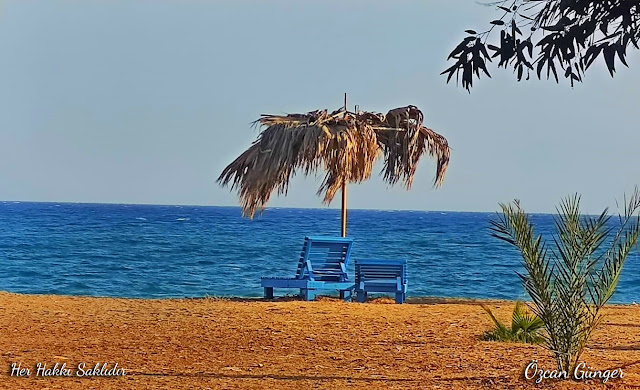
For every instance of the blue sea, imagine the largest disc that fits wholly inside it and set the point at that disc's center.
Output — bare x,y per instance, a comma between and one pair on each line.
145,251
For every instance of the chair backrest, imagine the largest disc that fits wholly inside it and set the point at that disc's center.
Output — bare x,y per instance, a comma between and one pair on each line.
324,259
368,269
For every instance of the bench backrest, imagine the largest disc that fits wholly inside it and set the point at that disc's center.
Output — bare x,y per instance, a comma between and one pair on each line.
324,259
368,269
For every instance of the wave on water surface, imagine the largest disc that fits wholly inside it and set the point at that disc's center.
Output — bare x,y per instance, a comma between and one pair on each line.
94,249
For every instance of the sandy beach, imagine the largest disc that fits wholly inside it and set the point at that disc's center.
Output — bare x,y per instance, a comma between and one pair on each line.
254,344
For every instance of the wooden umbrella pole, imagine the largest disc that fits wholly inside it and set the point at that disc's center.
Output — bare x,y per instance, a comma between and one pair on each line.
344,209
344,188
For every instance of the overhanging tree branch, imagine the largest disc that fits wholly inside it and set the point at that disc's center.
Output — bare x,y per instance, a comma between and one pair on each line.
560,37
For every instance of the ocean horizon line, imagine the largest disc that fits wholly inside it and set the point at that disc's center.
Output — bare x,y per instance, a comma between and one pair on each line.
268,208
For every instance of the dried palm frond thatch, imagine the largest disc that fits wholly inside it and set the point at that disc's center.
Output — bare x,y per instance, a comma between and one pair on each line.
344,144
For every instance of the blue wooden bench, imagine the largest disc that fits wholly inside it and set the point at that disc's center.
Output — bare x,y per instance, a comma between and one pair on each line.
385,276
322,266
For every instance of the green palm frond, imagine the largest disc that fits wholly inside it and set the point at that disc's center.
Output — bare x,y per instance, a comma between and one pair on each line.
525,327
563,280
499,325
524,321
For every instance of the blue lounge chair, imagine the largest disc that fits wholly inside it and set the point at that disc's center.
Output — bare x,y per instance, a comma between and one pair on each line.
322,266
388,276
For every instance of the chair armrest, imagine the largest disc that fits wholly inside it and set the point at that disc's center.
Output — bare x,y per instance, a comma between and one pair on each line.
310,270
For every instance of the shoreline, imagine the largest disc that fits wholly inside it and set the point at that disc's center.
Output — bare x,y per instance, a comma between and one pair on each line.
288,343
411,300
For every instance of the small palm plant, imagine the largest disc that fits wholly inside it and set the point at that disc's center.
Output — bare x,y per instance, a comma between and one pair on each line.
571,280
525,327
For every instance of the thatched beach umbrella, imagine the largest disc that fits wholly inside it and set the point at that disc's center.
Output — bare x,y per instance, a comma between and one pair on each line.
344,144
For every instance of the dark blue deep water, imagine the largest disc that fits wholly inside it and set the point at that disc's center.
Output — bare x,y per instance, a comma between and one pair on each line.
185,251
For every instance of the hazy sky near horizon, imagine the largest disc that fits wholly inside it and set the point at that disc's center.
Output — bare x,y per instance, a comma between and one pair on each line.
146,102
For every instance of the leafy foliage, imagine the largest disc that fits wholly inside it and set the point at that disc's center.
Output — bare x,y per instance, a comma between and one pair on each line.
525,327
571,280
561,37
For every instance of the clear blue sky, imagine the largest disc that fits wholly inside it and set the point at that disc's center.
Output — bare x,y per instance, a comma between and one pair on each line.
147,101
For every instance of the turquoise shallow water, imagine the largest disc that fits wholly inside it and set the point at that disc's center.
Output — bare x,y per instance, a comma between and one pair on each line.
183,251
